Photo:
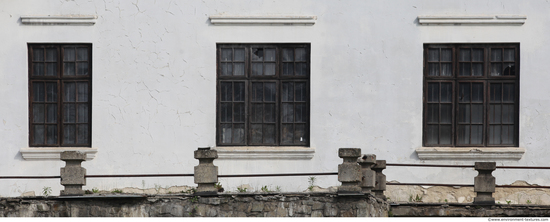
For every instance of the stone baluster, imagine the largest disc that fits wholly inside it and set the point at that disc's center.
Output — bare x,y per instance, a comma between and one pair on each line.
368,176
349,172
206,174
380,185
484,183
73,175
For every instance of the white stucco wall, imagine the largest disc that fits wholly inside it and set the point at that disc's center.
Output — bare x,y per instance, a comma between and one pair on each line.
154,85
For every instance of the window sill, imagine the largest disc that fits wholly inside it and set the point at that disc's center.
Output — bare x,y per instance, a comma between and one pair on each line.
54,153
266,152
470,153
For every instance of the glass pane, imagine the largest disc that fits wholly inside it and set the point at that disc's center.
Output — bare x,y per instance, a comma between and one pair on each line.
477,69
257,92
496,55
508,114
446,113
226,112
433,92
464,113
38,69
477,92
464,55
51,55
257,54
82,68
300,54
433,55
446,69
227,69
227,55
51,134
238,112
239,68
477,134
288,69
51,69
432,134
300,112
477,113
226,133
288,92
433,113
288,55
269,92
82,133
494,134
257,69
38,92
446,55
301,69
82,89
496,69
51,113
82,54
269,113
226,92
495,114
288,112
70,92
300,133
69,113
69,134
464,134
82,113
464,93
509,69
238,133
38,113
68,69
287,134
508,92
51,92
238,91
433,69
269,69
69,54
37,54
477,55
269,55
496,92
257,113
256,133
269,133
446,134
465,69
509,55
300,92
39,134
507,134
239,55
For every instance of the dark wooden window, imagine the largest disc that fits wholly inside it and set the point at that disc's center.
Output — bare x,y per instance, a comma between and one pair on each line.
263,94
471,95
60,95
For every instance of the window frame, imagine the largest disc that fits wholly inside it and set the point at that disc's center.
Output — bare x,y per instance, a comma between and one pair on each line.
61,81
249,80
487,79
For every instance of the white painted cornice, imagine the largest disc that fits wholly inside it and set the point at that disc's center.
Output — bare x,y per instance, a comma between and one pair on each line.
262,152
470,153
262,20
54,153
472,19
58,19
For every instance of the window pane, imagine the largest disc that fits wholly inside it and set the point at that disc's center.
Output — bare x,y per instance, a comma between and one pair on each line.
68,69
433,69
257,92
82,68
288,112
51,113
270,113
508,114
465,69
226,133
288,55
433,113
300,91
446,55
477,92
446,133
477,134
507,134
269,69
82,113
464,93
69,54
39,134
51,92
433,92
51,69
82,54
446,113
257,54
38,92
464,113
300,133
288,92
496,55
227,55
69,113
300,54
70,91
477,113
239,55
69,134
509,55
256,133
238,91
301,69
226,92
82,133
494,134
82,92
226,112
38,54
257,113
38,69
446,69
269,133
269,55
51,55
508,92
226,68
239,68
238,133
287,133
38,113
270,92
288,69
477,69
433,55
51,134
432,134
496,69
495,114
496,92
300,112
509,69
464,55
464,134
477,55
257,69
238,112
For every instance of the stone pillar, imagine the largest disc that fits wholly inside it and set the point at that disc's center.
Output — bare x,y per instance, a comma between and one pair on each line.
380,185
368,176
73,175
484,183
349,172
206,174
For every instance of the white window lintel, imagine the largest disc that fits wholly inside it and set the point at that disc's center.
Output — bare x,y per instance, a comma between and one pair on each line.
58,19
472,19
265,152
54,153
